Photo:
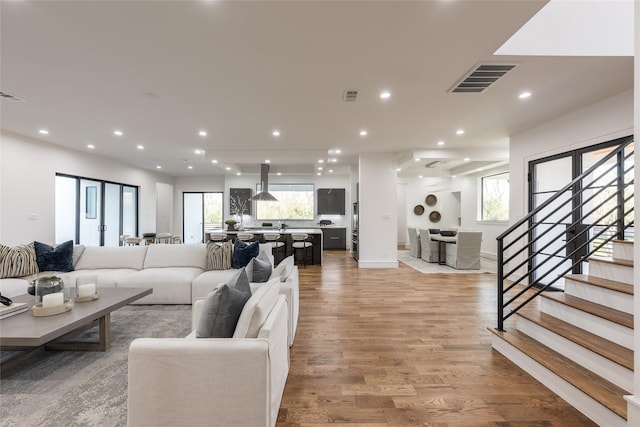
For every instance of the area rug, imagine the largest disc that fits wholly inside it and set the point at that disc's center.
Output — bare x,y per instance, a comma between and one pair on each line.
486,265
85,388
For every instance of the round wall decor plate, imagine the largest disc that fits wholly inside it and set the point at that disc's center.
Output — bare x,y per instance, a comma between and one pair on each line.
431,200
434,216
418,210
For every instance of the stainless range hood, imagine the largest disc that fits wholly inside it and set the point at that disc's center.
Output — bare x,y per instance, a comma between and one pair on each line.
264,185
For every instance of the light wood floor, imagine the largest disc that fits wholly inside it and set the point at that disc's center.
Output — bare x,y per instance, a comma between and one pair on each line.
395,347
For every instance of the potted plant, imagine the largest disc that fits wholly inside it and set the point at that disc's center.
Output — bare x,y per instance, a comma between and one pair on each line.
231,224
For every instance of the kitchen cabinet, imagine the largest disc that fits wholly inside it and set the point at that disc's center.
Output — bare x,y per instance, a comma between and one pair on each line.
331,201
334,238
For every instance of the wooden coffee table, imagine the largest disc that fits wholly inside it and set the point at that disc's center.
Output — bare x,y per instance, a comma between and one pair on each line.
35,334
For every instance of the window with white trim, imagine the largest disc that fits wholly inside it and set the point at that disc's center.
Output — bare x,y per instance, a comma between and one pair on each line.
495,197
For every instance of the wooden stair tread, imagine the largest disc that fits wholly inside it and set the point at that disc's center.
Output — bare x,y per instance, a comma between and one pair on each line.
599,389
613,285
628,242
615,316
618,261
605,348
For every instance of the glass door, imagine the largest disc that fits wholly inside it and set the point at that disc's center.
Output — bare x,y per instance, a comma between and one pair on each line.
590,204
202,213
90,209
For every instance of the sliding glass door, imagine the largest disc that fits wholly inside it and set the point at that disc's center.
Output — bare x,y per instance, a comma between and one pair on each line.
93,212
202,213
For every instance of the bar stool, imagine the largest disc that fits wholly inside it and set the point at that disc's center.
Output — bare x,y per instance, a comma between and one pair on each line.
132,241
218,238
300,242
245,237
276,245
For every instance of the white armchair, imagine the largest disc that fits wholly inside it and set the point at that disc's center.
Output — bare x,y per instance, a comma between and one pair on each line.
414,241
210,381
465,253
428,248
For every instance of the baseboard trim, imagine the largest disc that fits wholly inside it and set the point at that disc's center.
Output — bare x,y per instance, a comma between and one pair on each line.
377,264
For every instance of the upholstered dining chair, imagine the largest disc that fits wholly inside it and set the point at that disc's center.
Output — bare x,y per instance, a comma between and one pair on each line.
428,248
465,253
414,242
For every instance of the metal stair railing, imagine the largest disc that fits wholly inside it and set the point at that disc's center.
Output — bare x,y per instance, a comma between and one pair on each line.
527,233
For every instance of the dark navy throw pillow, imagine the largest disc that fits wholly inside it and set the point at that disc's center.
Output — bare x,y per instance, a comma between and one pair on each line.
59,258
243,252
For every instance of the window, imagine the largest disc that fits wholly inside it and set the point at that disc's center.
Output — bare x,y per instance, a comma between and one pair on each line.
495,197
295,201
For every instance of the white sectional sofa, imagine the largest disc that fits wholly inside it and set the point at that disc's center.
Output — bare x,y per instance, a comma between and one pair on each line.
175,272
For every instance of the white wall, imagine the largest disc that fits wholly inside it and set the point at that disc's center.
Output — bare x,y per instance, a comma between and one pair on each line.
27,185
378,195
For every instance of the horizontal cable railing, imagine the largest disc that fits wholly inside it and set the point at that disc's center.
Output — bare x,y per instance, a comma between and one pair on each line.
551,240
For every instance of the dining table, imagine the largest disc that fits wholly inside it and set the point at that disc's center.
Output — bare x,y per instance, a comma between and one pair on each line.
442,246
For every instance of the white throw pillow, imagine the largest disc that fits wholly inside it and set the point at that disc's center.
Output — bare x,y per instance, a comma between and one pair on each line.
257,309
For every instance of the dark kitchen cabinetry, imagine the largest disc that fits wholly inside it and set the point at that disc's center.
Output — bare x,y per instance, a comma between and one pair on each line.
331,201
240,197
334,238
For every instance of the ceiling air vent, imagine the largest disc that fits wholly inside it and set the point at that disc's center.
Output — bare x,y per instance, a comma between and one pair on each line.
10,97
435,164
350,95
481,77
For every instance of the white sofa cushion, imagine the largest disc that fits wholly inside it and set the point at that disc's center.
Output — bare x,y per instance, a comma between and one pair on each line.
209,280
107,277
171,285
190,255
257,309
95,257
13,287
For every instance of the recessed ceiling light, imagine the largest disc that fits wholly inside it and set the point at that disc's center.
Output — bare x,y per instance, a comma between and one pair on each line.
197,151
332,160
140,147
338,151
190,167
453,176
267,161
279,173
319,174
417,159
330,170
91,146
459,132
214,161
43,131
363,133
275,133
320,161
202,133
319,168
117,132
440,142
227,168
238,173
385,95
398,169
419,176
158,167
524,95
466,159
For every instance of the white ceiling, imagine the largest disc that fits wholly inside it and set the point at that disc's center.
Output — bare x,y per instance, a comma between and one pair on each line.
161,71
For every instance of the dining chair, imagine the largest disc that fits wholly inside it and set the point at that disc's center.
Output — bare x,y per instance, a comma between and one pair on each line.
414,242
245,237
465,253
277,246
428,248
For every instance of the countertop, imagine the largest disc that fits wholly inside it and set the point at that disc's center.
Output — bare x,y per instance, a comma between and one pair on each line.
272,230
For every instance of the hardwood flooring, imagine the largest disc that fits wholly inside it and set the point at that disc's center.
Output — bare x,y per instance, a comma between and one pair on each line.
395,347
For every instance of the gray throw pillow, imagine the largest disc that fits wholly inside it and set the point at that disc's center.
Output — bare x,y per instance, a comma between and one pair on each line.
259,268
222,308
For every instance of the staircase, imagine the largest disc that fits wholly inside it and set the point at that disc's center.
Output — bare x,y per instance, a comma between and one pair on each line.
579,343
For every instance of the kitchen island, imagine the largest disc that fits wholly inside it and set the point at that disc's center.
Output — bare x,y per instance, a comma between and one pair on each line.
315,237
